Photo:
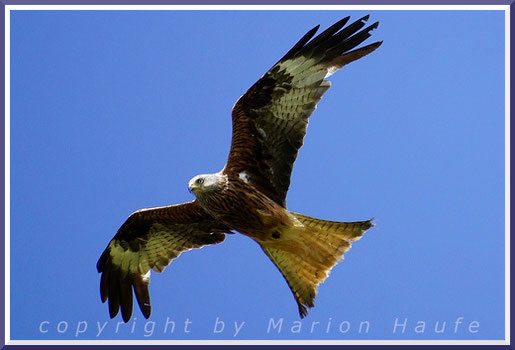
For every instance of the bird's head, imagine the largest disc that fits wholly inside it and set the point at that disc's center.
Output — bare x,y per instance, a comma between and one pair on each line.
202,184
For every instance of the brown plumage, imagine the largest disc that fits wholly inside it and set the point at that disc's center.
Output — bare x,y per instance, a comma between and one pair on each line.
249,194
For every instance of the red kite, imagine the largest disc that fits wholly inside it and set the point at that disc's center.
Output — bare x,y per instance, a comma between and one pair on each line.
248,194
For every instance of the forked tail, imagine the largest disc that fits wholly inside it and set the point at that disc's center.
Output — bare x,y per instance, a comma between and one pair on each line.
306,253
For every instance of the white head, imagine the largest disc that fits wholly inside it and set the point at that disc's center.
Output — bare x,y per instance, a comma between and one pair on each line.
202,184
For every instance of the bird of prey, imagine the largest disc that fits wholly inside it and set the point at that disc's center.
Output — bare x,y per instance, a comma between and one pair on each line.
249,194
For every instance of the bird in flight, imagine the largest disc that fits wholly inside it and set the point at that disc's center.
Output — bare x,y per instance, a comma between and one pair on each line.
249,194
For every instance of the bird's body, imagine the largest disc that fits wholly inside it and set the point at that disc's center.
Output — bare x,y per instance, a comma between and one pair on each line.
249,194
229,204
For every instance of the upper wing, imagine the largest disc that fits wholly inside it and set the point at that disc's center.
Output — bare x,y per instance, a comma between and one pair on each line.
150,239
270,119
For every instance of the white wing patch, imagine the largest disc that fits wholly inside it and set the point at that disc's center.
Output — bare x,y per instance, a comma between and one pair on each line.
331,70
244,176
261,132
146,277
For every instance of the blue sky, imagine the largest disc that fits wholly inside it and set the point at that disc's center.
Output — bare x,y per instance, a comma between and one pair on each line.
114,111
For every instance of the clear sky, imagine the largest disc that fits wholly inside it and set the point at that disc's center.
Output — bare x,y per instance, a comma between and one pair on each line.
115,111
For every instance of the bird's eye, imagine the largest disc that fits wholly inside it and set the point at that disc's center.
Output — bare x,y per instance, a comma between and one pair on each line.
200,181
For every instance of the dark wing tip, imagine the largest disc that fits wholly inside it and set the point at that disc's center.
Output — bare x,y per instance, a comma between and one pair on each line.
104,287
338,25
115,287
334,41
102,260
113,300
126,317
373,26
140,285
117,291
300,44
126,298
329,32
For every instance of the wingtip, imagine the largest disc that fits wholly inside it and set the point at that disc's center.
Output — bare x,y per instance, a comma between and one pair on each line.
104,287
101,261
146,309
340,24
313,30
146,314
113,311
372,47
126,318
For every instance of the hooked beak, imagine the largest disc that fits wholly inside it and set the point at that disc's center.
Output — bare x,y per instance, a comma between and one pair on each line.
192,187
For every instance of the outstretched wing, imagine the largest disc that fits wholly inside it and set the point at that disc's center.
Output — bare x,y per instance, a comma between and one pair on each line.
270,119
150,239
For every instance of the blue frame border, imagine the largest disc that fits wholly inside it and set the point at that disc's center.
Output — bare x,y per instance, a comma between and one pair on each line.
3,3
